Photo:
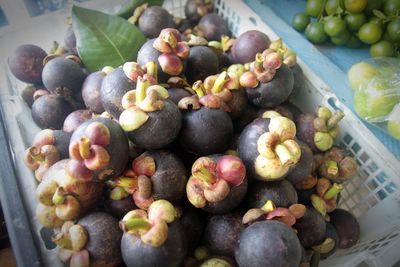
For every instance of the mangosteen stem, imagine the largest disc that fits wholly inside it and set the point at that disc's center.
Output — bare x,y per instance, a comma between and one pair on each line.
215,44
135,225
118,193
258,63
198,87
205,175
333,191
335,119
62,240
319,204
170,39
59,196
284,154
332,167
36,154
315,259
126,182
141,86
220,82
84,147
268,206
151,69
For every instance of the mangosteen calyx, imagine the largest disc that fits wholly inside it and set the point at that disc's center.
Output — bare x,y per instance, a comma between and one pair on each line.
325,199
151,226
137,13
71,242
337,166
224,45
42,154
173,51
269,212
212,180
88,153
136,182
277,149
147,97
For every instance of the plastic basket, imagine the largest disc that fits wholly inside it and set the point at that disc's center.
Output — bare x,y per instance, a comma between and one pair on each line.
373,196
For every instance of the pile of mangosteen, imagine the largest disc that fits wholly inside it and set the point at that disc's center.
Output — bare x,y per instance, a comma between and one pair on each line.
193,155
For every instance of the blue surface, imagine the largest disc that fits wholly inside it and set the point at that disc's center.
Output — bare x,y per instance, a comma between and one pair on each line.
327,61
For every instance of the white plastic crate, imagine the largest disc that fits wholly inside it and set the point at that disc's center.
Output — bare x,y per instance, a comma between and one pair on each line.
373,195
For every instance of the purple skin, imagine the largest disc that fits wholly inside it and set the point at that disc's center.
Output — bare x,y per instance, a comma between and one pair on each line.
213,26
310,228
205,131
304,167
191,11
298,78
118,208
201,63
170,254
331,233
249,114
222,233
148,53
161,128
306,131
153,20
117,149
104,239
113,88
62,139
63,76
176,94
193,223
26,63
50,111
91,91
281,193
247,45
76,118
238,103
347,227
268,243
275,92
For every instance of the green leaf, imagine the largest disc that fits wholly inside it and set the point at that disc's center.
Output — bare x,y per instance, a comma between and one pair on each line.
104,40
378,14
127,10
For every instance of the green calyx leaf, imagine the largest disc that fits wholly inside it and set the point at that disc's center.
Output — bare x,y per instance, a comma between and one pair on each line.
127,10
104,40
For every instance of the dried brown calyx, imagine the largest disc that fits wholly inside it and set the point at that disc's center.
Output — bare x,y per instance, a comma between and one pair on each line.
277,149
337,166
212,180
147,97
269,212
325,199
179,82
42,154
71,242
89,153
136,182
150,226
173,51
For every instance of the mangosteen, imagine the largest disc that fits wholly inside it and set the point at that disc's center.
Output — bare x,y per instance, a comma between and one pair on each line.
76,118
213,27
113,88
91,90
117,203
195,9
268,243
218,183
248,44
148,53
304,167
193,223
93,241
154,175
151,120
47,148
153,238
63,76
319,130
222,233
63,197
268,149
98,149
249,114
206,128
337,165
281,193
201,63
26,63
298,76
347,227
217,260
330,244
50,111
311,228
153,20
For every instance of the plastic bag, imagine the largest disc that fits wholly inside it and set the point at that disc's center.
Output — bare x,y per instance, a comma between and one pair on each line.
376,85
